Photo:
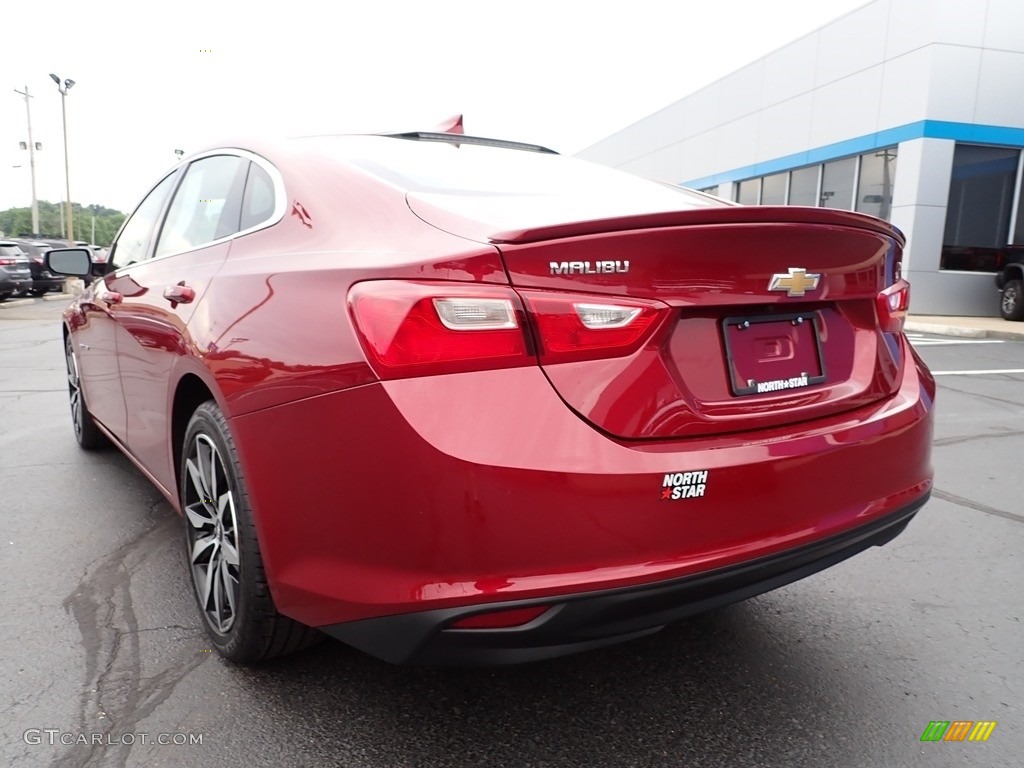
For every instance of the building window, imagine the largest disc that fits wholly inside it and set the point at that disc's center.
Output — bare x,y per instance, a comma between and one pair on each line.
749,192
874,184
1018,233
803,186
837,183
773,189
981,196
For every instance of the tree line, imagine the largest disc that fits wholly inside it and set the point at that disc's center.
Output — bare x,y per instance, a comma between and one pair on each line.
17,222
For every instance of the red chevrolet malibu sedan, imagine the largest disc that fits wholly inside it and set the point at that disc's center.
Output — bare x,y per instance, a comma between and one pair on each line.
455,400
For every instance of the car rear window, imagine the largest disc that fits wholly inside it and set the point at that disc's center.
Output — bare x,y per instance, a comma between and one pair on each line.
474,170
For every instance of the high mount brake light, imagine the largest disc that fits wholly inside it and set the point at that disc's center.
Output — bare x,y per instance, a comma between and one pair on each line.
424,329
891,306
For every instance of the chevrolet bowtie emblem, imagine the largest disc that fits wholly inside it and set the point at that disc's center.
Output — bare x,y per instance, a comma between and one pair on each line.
796,283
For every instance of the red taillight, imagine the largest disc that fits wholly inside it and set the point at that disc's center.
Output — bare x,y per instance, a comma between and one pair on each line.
503,619
7,262
583,327
420,329
891,305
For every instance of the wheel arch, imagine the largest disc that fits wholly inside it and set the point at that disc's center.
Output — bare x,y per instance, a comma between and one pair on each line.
191,392
1013,272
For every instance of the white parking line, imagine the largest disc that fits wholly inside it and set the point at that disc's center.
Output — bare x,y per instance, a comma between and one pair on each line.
919,341
945,343
978,373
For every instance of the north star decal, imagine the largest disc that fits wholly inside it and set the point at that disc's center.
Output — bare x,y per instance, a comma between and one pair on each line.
684,485
587,267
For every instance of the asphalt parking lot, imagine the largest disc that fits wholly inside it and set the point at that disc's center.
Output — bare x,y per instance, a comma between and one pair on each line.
102,644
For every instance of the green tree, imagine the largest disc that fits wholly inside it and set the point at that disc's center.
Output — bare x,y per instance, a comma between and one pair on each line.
16,222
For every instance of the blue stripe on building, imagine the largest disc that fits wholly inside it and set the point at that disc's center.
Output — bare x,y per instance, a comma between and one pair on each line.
922,129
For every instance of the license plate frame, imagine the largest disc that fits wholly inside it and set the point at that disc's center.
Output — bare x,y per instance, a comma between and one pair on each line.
802,334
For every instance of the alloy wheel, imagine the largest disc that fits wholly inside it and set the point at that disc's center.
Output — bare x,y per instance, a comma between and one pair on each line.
1011,299
212,528
74,387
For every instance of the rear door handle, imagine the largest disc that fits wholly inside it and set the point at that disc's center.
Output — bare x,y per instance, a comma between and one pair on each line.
179,294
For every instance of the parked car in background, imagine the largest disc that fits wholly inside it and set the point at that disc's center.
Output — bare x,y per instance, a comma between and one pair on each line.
458,400
1010,282
15,269
42,279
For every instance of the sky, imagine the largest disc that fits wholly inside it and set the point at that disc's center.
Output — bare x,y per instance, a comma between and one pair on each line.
152,77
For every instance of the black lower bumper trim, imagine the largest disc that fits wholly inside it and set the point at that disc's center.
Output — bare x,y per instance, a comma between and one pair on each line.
588,620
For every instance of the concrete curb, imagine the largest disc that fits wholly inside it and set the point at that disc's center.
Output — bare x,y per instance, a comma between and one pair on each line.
58,296
964,333
16,303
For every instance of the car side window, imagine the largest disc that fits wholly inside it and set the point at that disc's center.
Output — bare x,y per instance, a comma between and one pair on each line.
258,202
132,244
207,205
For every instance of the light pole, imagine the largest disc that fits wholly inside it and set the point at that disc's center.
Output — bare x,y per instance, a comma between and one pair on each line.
31,161
67,175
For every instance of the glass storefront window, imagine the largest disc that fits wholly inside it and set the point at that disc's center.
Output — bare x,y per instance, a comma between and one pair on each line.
773,189
749,192
874,186
981,196
803,186
837,183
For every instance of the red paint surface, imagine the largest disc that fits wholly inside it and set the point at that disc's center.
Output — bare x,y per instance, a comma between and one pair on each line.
433,489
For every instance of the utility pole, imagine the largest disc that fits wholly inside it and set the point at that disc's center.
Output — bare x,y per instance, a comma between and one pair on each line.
31,161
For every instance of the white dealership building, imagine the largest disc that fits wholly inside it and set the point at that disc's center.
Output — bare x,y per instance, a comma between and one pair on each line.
912,110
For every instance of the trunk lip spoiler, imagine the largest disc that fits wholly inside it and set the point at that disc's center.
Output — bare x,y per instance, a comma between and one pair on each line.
738,215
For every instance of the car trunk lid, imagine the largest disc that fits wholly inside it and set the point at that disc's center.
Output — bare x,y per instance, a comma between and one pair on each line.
768,319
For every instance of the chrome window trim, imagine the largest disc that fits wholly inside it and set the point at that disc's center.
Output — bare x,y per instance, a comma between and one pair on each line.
280,202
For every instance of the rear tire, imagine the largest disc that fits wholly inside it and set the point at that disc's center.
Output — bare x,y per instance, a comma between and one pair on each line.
1011,302
222,550
87,433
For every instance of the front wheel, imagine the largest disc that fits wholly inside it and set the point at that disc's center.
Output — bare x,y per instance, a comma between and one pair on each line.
1011,304
87,433
223,552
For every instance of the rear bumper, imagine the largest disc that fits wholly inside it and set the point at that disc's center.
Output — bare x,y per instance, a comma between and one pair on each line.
590,620
12,283
48,284
469,490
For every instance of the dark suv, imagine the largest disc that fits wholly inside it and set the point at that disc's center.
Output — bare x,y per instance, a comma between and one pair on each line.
1010,282
42,279
15,275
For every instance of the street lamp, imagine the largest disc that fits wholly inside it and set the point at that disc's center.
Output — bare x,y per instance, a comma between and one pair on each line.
67,175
